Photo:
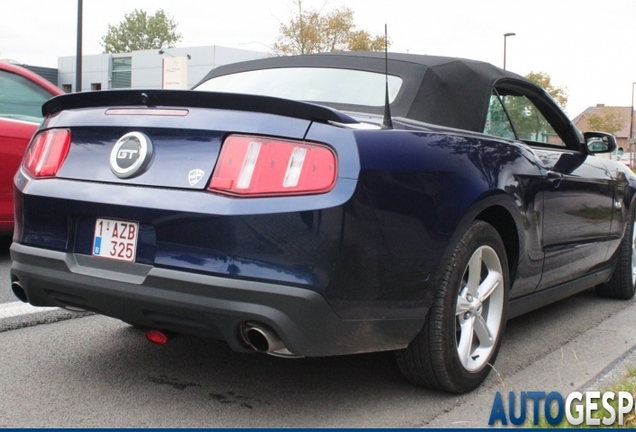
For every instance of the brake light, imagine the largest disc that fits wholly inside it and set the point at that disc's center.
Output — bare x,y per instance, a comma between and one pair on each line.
250,165
47,152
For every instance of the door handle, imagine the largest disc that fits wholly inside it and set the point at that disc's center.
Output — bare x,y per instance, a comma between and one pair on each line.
553,175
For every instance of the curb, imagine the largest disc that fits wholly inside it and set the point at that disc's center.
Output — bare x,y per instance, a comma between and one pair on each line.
17,315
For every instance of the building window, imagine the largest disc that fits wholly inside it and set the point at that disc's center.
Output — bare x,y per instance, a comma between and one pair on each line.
122,72
96,86
68,88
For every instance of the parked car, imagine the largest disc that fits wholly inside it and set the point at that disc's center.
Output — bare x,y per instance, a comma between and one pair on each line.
317,205
22,94
627,159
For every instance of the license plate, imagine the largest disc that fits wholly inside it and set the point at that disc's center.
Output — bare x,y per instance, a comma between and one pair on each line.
115,239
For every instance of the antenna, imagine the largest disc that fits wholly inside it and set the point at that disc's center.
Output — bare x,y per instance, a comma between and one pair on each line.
387,123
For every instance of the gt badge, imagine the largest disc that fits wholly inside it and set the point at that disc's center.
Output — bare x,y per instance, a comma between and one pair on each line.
130,155
195,176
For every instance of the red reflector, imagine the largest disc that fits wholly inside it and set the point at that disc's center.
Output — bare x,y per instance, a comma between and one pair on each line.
157,337
47,152
250,165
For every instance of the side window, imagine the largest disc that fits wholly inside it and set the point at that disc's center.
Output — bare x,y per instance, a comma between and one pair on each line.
529,124
520,119
21,98
497,122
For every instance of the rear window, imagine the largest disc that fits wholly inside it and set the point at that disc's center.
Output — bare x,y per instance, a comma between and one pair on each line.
341,86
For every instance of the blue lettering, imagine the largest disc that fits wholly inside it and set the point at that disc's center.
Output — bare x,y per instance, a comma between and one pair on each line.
498,411
554,396
522,408
536,397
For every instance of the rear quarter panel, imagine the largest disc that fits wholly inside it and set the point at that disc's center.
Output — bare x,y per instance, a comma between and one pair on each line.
425,188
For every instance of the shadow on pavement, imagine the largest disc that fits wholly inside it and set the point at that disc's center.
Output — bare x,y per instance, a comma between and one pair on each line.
5,243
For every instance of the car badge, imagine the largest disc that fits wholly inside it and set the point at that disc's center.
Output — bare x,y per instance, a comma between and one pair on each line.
130,155
195,176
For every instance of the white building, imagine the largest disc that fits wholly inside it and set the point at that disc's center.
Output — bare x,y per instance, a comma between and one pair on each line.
144,69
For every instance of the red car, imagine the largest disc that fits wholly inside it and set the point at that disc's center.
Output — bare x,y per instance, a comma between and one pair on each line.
22,94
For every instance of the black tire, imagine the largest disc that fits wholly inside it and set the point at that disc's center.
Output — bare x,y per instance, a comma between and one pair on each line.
432,359
622,285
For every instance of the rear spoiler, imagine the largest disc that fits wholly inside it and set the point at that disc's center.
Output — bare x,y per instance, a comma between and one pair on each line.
195,99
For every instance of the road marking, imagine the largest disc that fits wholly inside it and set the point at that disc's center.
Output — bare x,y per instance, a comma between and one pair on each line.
15,309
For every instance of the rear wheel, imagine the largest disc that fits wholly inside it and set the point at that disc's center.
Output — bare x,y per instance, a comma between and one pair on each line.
462,333
622,285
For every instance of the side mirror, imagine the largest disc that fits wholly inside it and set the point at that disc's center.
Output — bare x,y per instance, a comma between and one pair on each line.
600,142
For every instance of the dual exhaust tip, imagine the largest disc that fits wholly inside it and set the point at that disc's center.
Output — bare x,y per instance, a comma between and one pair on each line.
263,339
257,336
18,291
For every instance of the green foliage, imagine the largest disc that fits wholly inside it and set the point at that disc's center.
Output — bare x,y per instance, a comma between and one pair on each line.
141,31
559,94
528,122
498,123
312,31
610,121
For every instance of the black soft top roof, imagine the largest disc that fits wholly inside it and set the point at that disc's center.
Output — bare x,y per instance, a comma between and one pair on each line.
446,91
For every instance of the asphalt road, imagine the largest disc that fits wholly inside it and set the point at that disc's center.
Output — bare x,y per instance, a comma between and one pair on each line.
96,371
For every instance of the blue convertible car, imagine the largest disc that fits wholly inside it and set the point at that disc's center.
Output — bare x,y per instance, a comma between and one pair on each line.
323,205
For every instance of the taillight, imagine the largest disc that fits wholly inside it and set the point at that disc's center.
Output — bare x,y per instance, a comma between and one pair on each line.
250,165
47,152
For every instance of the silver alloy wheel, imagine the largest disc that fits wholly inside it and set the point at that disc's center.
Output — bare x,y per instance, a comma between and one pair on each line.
633,253
480,307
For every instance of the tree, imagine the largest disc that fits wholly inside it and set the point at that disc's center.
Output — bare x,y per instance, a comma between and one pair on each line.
529,123
141,31
559,94
362,40
610,121
311,31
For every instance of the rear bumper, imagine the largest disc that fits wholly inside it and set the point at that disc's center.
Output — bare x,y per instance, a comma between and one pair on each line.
200,304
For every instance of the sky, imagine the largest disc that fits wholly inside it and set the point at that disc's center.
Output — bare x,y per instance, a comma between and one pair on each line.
589,47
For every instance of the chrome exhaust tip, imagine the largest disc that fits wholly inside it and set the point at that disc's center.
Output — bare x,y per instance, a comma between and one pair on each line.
18,291
263,339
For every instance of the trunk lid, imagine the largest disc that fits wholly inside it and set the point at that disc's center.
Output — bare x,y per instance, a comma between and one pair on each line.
185,130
